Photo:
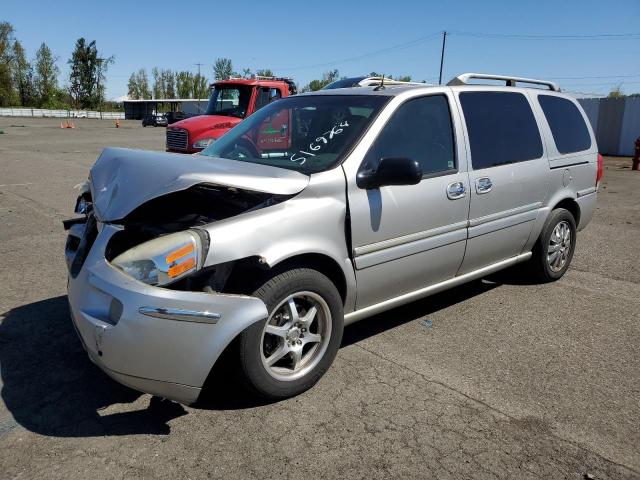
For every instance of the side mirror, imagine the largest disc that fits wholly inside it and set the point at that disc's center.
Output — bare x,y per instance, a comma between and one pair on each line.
390,171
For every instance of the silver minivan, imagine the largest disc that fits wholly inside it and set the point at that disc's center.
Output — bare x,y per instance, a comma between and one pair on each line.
317,211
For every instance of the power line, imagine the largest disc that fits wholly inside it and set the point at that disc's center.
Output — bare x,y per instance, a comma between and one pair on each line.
602,84
392,48
635,75
546,37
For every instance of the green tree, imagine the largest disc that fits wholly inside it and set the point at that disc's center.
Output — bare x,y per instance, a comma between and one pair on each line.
159,89
222,69
46,77
327,78
169,83
88,74
7,91
133,91
143,84
246,73
616,92
138,85
23,76
101,78
184,84
200,86
266,72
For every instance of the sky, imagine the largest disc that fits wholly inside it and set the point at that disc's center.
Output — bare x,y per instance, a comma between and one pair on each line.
302,40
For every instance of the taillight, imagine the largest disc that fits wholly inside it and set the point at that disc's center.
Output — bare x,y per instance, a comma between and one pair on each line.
600,172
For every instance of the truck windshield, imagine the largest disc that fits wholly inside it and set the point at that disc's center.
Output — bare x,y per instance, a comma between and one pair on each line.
229,100
308,134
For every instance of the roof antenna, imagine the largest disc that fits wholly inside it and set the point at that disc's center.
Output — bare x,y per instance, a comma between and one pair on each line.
381,86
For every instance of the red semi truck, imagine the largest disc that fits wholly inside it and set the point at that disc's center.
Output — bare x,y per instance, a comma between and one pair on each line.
230,101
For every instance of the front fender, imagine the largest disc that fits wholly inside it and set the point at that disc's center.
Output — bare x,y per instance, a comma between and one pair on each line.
313,222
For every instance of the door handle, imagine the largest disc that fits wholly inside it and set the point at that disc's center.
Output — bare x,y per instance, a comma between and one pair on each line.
483,185
456,190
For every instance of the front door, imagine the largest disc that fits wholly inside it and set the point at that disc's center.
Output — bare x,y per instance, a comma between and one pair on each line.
508,174
408,237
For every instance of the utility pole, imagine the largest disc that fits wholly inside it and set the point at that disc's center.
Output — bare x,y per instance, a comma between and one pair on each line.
199,92
444,41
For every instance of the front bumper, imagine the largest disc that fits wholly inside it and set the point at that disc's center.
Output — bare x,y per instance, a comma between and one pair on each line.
169,357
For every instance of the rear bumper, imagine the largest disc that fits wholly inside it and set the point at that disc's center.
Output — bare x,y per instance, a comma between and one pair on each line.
165,355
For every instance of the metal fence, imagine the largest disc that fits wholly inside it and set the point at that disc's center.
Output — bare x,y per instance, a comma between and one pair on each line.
41,112
616,123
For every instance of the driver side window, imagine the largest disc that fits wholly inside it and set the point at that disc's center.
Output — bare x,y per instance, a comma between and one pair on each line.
265,96
420,129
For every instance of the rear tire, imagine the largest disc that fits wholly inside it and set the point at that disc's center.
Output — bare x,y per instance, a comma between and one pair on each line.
554,248
287,353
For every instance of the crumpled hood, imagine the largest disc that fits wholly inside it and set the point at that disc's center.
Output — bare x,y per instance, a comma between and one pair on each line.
123,179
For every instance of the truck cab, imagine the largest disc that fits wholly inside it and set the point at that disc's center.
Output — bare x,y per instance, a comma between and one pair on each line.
230,102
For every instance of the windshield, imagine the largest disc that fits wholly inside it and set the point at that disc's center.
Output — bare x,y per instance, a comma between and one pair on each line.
308,134
229,100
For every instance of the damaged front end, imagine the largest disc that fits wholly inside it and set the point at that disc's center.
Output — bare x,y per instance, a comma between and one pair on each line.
149,195
139,291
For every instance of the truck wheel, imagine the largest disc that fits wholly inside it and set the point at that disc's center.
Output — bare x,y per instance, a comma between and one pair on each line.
289,352
554,249
243,150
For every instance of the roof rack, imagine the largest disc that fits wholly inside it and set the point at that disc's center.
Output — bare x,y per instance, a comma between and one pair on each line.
510,81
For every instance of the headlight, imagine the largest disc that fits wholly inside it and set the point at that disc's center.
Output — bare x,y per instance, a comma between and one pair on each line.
203,142
163,260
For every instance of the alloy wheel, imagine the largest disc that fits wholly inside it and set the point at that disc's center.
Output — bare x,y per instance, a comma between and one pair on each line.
296,336
559,246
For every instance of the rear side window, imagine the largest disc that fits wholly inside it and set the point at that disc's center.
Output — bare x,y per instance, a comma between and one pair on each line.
502,128
420,129
569,131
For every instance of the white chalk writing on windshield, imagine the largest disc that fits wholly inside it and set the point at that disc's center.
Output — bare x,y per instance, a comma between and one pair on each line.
301,156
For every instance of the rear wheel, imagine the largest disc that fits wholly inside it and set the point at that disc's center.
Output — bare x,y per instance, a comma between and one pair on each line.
554,249
289,352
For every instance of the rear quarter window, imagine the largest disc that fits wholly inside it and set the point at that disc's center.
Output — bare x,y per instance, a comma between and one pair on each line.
569,130
501,128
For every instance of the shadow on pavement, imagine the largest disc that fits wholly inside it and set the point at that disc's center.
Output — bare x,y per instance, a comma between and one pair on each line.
51,387
414,311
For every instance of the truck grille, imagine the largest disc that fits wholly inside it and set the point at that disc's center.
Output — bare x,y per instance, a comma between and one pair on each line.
177,139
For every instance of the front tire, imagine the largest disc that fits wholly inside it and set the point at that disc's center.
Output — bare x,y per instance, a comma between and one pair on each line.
554,249
288,353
